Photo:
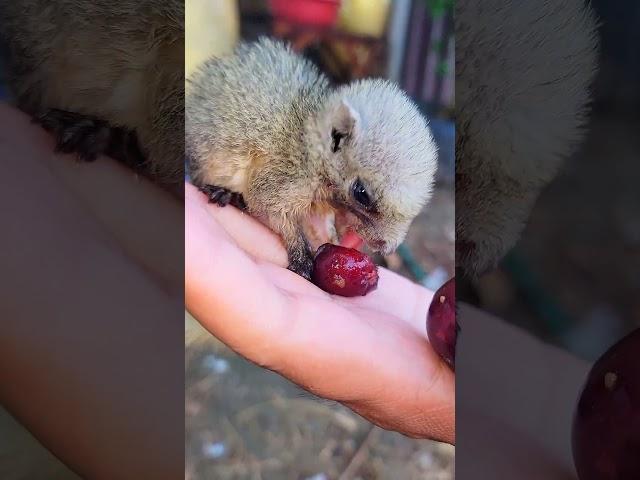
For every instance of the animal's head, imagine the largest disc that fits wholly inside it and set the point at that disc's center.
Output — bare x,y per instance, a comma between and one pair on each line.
521,102
378,158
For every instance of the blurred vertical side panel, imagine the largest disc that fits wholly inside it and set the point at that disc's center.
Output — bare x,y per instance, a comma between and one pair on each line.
547,210
92,243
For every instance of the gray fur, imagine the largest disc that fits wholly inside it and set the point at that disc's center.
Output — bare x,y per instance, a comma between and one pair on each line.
523,71
120,61
259,122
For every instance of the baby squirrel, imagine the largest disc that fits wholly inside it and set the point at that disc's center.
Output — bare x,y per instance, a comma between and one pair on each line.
265,130
523,77
105,77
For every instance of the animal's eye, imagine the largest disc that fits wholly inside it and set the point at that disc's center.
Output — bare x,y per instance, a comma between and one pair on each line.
360,194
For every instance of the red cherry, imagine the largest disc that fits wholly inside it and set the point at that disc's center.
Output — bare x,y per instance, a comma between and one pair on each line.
344,271
442,328
606,424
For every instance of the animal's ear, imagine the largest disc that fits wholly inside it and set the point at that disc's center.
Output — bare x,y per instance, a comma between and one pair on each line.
343,123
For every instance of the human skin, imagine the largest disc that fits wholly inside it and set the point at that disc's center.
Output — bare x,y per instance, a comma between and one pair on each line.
515,394
67,395
515,401
370,353
91,334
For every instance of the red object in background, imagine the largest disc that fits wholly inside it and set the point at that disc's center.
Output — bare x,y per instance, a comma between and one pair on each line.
321,13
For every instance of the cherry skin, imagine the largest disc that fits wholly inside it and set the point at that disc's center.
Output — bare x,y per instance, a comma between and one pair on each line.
606,424
442,327
344,271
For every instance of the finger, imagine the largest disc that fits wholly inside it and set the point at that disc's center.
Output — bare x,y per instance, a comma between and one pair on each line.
397,296
226,290
309,337
248,233
389,358
374,362
292,283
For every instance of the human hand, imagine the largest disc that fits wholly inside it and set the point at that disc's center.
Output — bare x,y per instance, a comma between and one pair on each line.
517,395
91,349
370,353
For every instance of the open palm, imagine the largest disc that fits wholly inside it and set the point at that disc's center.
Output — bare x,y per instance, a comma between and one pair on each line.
370,353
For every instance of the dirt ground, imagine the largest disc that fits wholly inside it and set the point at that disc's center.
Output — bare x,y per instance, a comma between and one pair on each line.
243,422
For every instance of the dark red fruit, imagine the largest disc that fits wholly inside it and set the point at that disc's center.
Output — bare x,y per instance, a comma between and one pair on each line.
442,327
606,425
344,271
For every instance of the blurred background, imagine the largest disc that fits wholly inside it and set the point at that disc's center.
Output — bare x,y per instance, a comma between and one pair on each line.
243,422
574,277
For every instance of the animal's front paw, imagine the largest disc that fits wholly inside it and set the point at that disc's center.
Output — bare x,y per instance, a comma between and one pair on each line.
302,265
75,133
223,196
89,137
